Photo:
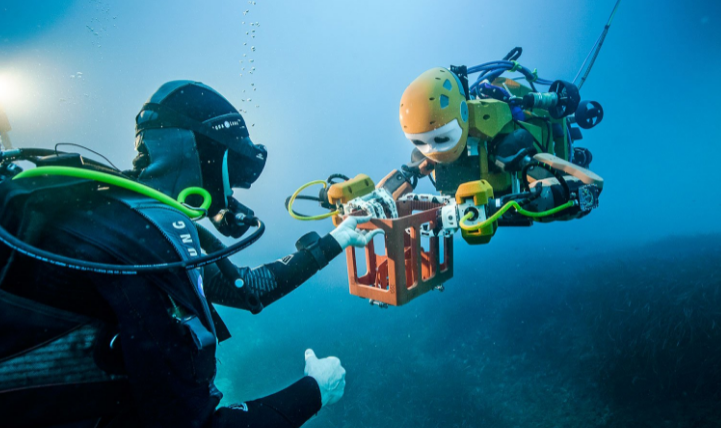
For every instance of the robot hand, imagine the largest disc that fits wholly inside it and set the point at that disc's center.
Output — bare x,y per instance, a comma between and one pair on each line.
329,374
346,233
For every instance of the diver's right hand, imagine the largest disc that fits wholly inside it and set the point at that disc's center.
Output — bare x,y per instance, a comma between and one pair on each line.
346,233
329,374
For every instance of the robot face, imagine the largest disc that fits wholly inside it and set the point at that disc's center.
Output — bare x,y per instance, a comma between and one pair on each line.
438,140
434,115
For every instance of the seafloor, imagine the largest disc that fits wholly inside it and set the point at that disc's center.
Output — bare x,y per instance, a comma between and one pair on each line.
626,338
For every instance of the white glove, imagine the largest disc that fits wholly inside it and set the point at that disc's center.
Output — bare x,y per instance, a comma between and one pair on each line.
329,374
346,233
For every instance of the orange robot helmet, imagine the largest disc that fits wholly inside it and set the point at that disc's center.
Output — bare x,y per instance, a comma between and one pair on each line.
434,115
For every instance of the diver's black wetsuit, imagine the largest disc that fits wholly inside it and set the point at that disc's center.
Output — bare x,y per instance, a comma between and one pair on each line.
160,368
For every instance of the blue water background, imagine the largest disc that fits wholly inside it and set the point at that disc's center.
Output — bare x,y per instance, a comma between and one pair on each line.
324,98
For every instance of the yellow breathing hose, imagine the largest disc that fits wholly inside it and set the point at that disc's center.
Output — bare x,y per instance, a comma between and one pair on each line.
309,218
505,208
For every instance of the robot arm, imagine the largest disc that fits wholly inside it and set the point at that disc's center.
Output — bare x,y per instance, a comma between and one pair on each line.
577,184
401,182
553,189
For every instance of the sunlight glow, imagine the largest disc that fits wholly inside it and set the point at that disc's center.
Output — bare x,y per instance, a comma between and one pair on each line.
9,89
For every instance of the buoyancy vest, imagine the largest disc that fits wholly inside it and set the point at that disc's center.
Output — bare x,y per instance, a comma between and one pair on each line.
57,366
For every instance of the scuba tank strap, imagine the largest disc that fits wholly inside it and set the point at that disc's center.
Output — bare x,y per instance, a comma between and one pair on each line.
180,232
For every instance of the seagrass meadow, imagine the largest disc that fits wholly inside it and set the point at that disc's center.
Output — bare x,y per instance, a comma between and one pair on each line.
633,340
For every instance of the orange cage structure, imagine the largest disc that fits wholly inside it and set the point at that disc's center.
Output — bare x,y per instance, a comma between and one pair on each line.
406,270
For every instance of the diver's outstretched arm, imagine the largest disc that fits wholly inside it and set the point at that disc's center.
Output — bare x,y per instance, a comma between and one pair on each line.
323,384
271,281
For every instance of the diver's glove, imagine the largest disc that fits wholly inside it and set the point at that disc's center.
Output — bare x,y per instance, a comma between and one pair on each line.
329,374
347,235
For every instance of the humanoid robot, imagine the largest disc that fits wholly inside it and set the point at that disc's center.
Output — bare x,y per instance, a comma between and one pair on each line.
499,153
504,139
507,146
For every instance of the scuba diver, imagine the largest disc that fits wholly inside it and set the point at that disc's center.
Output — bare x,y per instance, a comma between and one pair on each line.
108,283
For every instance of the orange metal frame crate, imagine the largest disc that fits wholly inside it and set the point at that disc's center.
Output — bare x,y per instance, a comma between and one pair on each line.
406,271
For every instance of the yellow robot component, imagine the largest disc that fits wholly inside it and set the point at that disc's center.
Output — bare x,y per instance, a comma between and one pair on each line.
489,118
434,115
481,191
344,192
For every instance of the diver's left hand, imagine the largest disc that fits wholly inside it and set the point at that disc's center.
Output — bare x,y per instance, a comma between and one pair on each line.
346,233
329,374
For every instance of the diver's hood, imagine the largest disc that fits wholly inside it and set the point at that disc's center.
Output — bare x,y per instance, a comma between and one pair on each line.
173,160
169,125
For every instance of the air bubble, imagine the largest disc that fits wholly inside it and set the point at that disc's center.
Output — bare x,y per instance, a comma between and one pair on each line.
252,48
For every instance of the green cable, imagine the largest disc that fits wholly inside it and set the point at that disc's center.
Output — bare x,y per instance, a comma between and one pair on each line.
505,208
515,67
194,213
